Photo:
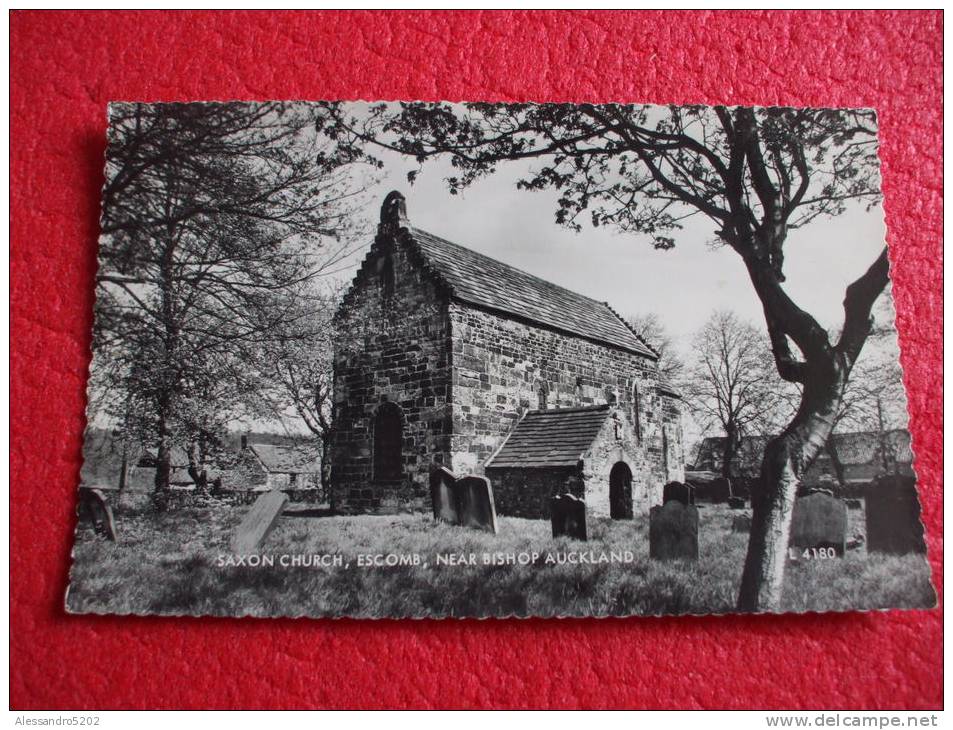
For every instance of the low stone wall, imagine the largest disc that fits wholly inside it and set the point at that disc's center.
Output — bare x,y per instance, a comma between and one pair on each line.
526,492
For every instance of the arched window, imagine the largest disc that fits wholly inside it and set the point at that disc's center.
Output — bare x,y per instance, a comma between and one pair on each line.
636,411
388,438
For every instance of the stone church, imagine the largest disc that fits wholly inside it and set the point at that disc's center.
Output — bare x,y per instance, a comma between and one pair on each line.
446,357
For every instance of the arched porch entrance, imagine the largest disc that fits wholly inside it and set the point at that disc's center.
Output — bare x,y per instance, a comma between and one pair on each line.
620,492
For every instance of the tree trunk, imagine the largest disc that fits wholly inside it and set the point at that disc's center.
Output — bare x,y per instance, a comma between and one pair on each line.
326,463
167,384
836,463
785,459
728,455
197,472
160,497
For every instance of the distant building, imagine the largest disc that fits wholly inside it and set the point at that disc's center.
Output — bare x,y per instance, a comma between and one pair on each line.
445,355
849,458
266,467
144,471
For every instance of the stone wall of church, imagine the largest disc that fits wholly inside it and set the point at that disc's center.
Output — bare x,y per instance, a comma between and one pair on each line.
502,368
673,443
618,441
392,345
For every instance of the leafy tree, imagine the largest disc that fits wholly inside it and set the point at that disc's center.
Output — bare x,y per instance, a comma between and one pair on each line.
732,385
214,217
754,174
300,368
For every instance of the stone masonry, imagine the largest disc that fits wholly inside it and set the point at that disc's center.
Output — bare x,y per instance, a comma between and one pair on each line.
429,327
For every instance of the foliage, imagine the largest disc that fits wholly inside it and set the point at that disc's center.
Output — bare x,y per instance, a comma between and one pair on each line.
216,218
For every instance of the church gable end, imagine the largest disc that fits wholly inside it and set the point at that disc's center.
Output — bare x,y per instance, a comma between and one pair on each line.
391,378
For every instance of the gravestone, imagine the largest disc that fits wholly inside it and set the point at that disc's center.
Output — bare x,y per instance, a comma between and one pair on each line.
443,495
819,521
568,516
893,516
673,531
737,502
719,491
258,522
741,523
475,503
95,511
679,492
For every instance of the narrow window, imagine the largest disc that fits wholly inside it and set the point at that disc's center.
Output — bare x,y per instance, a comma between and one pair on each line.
665,450
543,396
388,437
636,408
387,277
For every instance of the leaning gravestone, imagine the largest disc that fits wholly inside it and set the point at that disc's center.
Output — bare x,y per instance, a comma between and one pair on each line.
819,521
258,522
893,516
673,531
443,495
679,492
95,510
568,516
475,500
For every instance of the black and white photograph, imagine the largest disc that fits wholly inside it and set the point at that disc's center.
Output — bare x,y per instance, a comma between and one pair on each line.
440,360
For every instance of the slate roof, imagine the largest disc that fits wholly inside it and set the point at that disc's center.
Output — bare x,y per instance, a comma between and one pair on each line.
147,459
486,282
551,438
280,459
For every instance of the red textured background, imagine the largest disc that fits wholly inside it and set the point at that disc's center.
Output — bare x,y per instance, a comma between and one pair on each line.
65,67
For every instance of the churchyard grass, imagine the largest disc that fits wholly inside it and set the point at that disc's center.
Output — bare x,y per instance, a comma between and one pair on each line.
169,564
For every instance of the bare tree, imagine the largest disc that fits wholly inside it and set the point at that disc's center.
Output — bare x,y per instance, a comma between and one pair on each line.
732,386
755,174
874,400
214,216
649,326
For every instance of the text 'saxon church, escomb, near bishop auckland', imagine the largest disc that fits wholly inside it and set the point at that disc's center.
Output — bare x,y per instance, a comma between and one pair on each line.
446,357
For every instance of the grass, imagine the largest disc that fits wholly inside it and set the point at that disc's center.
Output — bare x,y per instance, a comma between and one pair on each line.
169,564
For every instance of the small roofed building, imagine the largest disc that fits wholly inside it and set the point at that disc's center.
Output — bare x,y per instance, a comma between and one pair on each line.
266,467
590,452
442,354
143,473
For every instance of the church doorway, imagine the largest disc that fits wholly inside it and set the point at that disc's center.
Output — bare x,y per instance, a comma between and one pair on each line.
620,492
388,438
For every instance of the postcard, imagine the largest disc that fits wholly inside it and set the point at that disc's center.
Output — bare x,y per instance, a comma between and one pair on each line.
431,360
